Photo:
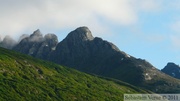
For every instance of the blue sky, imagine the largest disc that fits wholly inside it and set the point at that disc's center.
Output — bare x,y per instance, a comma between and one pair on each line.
147,29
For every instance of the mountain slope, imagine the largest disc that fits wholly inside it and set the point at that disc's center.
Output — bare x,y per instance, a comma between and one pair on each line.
86,53
25,78
36,45
172,69
82,51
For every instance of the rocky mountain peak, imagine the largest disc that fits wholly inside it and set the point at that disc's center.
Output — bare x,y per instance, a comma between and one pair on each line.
81,33
36,36
172,69
36,33
37,45
172,65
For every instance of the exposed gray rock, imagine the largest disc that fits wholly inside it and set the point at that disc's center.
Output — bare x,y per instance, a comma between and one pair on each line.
36,45
86,53
73,47
47,46
81,33
29,45
36,36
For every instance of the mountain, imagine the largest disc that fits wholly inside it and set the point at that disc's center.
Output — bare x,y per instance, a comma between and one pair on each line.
25,78
36,45
172,69
82,51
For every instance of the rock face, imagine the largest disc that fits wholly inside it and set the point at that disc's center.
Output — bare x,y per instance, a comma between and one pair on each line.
8,42
172,69
82,51
36,45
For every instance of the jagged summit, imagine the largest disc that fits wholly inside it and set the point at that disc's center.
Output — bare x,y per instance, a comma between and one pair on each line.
85,33
36,33
172,65
172,69
81,33
37,36
37,45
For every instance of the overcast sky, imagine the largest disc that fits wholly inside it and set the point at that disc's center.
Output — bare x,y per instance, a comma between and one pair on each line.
148,29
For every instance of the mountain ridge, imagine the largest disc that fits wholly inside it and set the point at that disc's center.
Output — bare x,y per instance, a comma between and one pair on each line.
82,51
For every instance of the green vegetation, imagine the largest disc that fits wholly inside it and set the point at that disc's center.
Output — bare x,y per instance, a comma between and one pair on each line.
25,78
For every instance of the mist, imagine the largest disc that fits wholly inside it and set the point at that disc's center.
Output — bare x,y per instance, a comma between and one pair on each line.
8,42
37,36
22,37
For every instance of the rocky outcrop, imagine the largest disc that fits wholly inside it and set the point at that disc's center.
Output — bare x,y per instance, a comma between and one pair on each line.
84,52
47,46
36,45
172,69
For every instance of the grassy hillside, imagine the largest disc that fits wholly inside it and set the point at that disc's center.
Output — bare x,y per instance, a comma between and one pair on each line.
26,78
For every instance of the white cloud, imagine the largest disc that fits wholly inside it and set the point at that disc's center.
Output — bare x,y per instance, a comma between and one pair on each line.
19,16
